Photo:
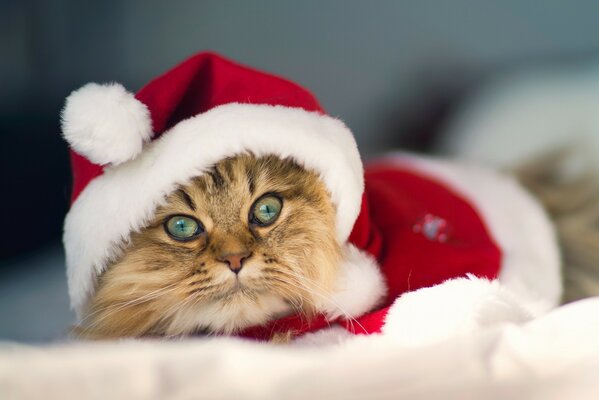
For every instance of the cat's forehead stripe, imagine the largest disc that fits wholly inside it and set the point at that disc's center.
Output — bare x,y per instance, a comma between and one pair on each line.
217,178
251,181
187,198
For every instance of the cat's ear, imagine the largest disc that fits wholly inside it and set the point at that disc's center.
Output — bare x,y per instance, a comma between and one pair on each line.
106,123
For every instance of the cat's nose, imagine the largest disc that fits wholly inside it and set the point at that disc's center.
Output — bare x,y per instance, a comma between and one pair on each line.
234,260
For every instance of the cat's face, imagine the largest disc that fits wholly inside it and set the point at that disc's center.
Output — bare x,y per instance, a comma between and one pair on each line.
251,240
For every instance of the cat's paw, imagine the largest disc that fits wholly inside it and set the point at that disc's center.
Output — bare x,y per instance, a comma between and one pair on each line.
455,307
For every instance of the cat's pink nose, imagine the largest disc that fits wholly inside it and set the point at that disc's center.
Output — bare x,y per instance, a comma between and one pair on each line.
234,260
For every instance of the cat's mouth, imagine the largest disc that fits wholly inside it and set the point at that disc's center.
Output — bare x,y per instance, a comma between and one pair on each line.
237,287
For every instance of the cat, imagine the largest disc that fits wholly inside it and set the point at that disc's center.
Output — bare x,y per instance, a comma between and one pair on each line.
251,240
235,267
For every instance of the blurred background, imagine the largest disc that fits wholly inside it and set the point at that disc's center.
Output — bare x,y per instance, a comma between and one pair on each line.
420,75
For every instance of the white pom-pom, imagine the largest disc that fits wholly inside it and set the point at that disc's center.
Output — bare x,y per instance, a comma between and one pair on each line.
106,123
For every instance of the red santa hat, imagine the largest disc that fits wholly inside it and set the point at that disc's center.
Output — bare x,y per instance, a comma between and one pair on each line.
130,151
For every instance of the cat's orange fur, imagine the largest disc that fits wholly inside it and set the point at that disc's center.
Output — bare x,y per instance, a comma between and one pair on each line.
163,287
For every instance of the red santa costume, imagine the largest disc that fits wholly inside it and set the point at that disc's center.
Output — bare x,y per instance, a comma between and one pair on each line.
431,248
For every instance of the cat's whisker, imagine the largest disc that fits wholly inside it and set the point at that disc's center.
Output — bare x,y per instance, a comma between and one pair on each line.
136,301
296,302
110,311
302,280
288,294
298,286
297,307
177,307
192,299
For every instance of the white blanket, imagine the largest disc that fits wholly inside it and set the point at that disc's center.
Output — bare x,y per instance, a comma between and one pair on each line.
553,357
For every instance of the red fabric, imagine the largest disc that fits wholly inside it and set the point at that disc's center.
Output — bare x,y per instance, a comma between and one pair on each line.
365,325
400,198
294,323
198,84
83,172
396,199
208,80
365,235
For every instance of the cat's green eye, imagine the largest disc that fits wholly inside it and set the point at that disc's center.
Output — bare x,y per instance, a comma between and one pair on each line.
181,227
266,210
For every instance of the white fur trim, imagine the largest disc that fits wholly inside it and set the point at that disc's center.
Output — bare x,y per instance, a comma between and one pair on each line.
323,337
530,253
360,286
454,307
106,123
125,197
554,357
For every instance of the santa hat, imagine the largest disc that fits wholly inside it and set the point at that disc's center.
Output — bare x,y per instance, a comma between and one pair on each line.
130,151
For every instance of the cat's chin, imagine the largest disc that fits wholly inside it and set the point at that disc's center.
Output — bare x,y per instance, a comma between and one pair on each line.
240,291
229,314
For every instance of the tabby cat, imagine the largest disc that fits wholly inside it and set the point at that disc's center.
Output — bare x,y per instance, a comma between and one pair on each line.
250,240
